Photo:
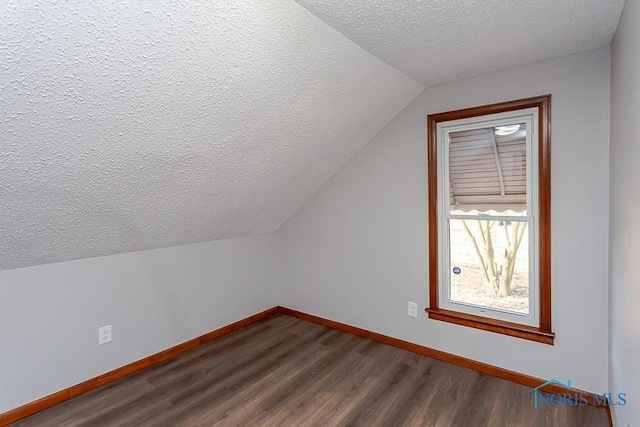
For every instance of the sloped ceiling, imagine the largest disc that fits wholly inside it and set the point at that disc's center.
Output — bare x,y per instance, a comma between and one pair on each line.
142,124
128,125
435,41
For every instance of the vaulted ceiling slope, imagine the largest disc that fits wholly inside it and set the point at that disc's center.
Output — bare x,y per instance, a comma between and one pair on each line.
143,124
435,41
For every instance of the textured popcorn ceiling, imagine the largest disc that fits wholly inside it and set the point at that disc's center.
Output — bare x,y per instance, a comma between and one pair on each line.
127,125
435,41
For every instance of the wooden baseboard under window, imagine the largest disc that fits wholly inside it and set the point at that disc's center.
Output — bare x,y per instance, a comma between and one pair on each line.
73,391
485,368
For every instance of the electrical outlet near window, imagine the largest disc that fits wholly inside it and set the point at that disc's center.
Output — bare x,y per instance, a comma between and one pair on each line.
413,309
104,334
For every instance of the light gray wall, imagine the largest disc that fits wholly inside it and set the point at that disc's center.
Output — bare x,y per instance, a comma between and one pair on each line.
357,251
624,309
50,314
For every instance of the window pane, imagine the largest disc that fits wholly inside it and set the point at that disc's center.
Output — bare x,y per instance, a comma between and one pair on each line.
489,263
487,170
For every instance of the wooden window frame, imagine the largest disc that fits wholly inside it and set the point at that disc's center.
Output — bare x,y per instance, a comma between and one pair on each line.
543,332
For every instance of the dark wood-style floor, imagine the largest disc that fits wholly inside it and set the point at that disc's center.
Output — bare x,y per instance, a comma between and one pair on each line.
283,371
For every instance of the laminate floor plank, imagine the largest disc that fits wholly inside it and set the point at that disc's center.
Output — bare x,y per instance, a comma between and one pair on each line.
295,384
333,393
234,410
237,376
283,371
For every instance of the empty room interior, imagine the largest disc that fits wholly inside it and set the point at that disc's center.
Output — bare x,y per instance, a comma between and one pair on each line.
320,213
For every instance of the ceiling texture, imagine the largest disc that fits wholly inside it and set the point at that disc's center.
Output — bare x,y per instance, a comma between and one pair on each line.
143,124
130,125
435,41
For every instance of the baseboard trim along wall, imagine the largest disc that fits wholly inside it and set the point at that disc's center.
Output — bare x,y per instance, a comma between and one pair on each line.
73,391
485,368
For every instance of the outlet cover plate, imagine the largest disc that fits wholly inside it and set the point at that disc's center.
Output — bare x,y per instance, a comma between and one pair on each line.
104,334
413,309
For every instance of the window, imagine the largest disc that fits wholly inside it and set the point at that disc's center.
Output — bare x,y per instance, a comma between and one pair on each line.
489,218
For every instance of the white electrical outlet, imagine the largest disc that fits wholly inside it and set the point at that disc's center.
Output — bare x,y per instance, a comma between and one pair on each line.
104,334
413,309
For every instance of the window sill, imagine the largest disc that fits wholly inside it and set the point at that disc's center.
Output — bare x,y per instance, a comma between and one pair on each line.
499,326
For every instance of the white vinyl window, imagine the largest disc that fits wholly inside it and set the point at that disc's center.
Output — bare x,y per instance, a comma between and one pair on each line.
488,216
489,184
